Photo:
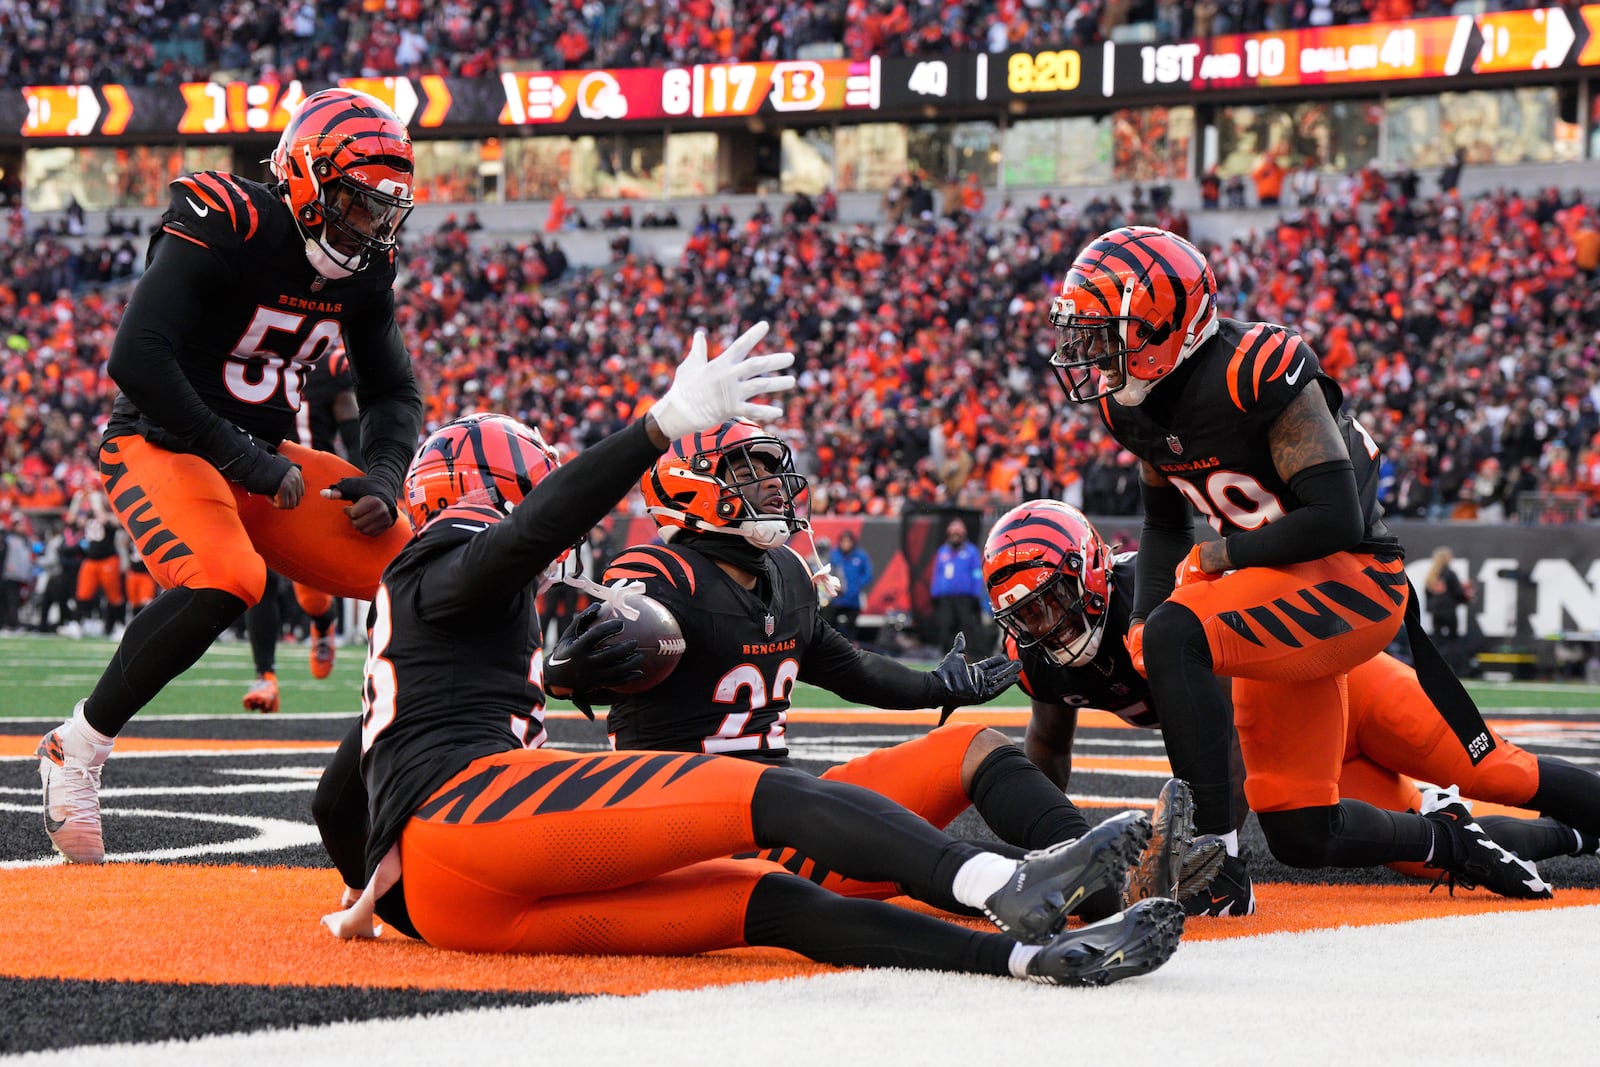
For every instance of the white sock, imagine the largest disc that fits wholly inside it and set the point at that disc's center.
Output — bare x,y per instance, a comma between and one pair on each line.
1021,956
80,726
1231,839
981,877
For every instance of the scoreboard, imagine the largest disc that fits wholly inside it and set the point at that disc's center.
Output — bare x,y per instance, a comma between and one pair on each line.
1450,52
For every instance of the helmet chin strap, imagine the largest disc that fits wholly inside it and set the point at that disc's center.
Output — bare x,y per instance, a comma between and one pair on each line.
323,261
1091,645
765,533
1132,393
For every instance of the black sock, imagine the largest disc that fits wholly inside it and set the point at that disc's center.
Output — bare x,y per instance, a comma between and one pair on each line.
1020,804
1352,834
161,642
789,912
1196,718
1568,794
1531,839
264,628
856,832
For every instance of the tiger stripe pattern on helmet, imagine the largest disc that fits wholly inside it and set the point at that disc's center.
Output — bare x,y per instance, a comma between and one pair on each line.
490,460
1046,553
1148,293
689,487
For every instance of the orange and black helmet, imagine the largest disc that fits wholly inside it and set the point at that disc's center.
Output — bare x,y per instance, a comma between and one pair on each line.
347,171
1137,302
1048,572
487,461
736,479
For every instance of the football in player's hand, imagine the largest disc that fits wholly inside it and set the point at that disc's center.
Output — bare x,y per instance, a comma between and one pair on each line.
659,636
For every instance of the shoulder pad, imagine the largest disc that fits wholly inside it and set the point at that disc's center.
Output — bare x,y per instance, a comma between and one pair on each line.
213,209
1269,366
654,564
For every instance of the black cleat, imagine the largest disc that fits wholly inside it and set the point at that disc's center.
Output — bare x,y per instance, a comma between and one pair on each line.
1230,894
1476,860
1130,943
1033,906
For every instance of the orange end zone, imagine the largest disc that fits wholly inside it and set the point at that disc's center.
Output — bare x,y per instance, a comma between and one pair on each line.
212,924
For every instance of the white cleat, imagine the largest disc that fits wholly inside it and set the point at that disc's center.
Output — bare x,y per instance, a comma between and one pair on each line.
70,772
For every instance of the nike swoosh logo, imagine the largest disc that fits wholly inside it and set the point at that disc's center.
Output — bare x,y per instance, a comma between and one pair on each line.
50,825
469,526
198,210
558,662
1295,375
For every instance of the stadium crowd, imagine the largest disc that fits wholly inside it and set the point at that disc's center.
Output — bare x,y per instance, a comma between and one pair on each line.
1461,329
49,42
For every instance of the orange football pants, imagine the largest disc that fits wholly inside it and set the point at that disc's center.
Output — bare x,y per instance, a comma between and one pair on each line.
923,775
196,529
141,588
100,575
1288,636
540,850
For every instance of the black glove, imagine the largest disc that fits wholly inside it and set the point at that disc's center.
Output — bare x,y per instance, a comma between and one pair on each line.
353,489
583,660
972,683
257,468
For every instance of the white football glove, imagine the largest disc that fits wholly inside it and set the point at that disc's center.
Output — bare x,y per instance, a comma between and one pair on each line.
705,394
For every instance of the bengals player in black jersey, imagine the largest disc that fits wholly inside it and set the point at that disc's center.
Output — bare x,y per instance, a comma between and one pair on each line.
329,417
246,287
1062,599
479,842
1236,419
727,501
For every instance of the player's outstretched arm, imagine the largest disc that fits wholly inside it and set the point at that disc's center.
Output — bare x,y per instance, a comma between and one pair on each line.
564,506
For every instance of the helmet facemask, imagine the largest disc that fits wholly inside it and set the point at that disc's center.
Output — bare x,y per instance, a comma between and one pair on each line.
760,491
1058,615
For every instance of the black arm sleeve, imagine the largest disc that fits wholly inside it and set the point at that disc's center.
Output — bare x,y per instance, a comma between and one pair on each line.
340,810
350,434
865,677
386,390
175,291
565,506
1166,538
1329,520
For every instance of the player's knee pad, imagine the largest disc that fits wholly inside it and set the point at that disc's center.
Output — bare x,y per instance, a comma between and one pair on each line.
1172,635
1300,837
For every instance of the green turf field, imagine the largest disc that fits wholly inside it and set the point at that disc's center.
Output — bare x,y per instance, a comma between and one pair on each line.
45,676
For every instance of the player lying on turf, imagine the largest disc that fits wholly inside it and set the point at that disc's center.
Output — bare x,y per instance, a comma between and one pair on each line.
727,501
1062,599
478,842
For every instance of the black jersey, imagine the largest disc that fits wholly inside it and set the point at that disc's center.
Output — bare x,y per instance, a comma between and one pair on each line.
1214,443
99,537
744,650
455,662
317,424
229,316
1109,682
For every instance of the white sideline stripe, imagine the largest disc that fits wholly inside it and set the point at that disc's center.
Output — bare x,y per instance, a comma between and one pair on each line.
267,835
1269,1000
210,753
180,790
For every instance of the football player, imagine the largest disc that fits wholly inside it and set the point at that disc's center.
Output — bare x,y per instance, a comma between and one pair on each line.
1063,600
726,502
480,842
246,287
329,416
1236,419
